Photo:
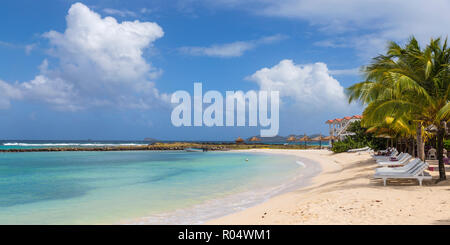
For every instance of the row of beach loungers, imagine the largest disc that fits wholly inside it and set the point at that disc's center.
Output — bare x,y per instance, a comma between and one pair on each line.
395,165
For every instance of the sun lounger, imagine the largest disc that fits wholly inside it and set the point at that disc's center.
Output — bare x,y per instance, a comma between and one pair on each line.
360,149
413,170
401,161
389,158
392,151
404,168
386,158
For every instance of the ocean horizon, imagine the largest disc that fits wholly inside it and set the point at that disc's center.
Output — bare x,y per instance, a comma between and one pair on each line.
32,144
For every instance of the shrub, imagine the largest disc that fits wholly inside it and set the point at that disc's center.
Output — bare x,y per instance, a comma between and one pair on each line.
359,140
447,145
340,146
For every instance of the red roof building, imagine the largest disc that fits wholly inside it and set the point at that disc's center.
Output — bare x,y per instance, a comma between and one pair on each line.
338,126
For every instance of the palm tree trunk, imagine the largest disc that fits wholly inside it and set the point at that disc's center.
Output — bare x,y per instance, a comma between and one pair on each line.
420,143
413,150
440,152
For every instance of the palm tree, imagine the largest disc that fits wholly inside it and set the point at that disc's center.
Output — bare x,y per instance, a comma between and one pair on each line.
411,84
401,128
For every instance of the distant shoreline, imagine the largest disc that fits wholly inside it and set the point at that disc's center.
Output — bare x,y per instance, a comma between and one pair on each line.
167,147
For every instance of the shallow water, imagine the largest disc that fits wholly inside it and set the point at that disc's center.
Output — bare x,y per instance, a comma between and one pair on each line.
136,186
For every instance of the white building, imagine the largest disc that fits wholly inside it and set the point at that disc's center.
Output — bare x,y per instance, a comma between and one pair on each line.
338,127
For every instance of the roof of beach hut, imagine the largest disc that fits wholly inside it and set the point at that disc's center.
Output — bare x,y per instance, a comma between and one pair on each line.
254,138
291,138
239,140
328,138
318,138
304,138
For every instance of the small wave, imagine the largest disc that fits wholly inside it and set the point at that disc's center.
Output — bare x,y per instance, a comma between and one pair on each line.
301,163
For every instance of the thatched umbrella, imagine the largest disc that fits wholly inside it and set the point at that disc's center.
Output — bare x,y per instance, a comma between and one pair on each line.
291,138
239,140
318,138
254,138
328,138
388,138
304,139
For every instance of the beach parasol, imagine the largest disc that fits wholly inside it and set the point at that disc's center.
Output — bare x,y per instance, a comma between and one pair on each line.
328,138
291,138
318,138
304,139
239,140
254,138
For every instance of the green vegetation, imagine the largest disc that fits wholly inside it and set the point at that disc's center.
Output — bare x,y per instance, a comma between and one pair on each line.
406,91
447,145
361,139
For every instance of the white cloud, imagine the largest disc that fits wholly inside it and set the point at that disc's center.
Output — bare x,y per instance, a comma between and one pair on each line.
311,86
364,25
8,92
118,12
234,49
353,71
29,48
100,63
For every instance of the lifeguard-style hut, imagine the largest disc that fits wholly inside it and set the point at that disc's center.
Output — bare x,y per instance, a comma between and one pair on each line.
338,127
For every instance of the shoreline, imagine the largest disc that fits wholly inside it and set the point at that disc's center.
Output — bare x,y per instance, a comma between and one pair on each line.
345,193
175,146
236,202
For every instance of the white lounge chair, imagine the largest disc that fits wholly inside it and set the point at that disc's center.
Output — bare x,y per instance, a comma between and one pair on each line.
393,153
400,161
360,149
400,169
386,158
414,170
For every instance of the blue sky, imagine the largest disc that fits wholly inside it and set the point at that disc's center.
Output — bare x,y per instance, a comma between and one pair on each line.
105,69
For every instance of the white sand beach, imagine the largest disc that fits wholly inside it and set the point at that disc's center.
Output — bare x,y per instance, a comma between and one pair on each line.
345,193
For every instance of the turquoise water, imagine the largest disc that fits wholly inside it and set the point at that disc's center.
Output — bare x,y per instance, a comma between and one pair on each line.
122,187
33,144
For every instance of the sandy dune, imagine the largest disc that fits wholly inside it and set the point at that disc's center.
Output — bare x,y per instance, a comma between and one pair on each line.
345,193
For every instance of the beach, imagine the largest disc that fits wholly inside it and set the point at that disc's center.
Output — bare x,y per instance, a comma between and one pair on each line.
345,193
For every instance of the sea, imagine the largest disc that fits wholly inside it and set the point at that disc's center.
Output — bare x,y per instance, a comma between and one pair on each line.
138,187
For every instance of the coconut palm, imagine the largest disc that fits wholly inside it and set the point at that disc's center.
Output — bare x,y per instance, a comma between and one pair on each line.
409,83
394,128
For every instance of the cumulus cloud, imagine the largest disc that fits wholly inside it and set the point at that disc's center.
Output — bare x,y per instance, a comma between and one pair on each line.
311,86
8,92
363,25
352,71
100,63
118,12
234,49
